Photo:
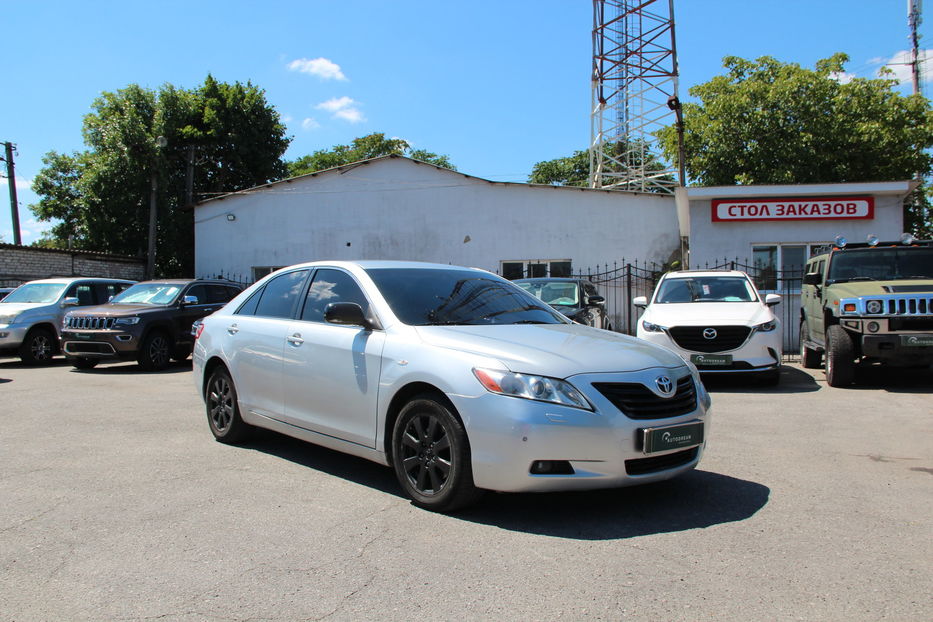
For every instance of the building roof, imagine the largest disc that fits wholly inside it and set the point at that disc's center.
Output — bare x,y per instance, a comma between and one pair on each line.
897,188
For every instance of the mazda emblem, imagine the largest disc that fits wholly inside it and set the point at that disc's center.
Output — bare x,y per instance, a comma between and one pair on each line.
709,333
665,386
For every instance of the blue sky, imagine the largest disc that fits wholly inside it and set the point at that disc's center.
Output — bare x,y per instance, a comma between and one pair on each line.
495,85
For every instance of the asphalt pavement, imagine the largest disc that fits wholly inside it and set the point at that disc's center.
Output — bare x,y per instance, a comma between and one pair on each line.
811,503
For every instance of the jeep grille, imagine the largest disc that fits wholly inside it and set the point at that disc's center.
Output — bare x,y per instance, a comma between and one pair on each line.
90,323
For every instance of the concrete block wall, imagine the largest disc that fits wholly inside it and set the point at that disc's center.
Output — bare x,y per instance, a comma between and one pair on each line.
19,264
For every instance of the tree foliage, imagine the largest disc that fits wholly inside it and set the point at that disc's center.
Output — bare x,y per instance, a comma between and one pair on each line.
767,122
574,170
218,138
364,148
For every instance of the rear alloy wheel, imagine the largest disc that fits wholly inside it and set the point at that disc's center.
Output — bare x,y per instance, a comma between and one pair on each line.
809,358
38,347
155,352
431,456
840,357
223,410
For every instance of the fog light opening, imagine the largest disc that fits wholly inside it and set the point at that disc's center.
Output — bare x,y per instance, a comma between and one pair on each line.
551,467
873,327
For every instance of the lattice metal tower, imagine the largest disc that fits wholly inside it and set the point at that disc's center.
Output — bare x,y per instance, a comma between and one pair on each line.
634,95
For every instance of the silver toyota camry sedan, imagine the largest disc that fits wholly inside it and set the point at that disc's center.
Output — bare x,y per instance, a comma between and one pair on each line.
454,377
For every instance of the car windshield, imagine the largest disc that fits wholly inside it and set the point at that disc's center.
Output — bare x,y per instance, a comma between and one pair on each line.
706,289
431,297
881,264
560,293
148,294
36,292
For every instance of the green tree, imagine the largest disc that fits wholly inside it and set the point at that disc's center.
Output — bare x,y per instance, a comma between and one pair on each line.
364,148
767,122
574,170
217,138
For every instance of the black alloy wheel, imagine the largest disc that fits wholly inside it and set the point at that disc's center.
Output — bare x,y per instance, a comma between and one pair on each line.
156,352
38,347
431,456
223,411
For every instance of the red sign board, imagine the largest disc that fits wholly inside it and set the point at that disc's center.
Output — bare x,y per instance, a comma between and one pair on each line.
820,208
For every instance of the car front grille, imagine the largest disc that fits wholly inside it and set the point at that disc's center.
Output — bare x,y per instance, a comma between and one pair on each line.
917,306
636,401
89,322
653,464
694,338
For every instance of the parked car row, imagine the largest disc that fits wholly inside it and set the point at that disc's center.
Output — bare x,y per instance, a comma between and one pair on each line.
92,320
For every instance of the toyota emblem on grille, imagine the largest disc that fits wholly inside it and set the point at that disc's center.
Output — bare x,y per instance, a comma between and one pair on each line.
665,386
709,333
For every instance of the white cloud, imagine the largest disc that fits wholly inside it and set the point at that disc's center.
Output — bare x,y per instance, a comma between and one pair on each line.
21,184
900,64
321,67
842,77
343,108
310,124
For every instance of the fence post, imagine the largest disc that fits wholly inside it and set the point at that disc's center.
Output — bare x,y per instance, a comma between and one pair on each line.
628,299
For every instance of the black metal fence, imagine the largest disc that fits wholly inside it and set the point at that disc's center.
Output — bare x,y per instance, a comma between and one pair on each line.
622,281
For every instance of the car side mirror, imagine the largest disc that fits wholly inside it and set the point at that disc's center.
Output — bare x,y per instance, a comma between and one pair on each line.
640,301
71,301
189,300
812,278
772,299
595,300
346,314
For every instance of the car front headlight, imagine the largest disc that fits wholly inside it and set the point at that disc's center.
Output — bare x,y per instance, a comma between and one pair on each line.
652,328
526,386
874,306
8,318
126,321
766,327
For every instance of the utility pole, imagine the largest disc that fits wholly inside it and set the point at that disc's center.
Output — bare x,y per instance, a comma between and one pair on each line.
913,20
11,178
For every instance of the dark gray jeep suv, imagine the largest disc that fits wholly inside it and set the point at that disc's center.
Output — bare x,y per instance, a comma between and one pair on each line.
149,322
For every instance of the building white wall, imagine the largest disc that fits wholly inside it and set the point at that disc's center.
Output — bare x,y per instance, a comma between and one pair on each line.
714,241
395,208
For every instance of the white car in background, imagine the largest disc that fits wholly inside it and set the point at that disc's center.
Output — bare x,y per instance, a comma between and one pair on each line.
717,320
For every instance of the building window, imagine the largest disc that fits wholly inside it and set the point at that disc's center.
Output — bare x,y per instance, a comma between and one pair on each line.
534,268
261,271
779,266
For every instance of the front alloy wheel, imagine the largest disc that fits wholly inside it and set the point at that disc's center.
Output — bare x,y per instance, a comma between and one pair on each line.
431,456
38,347
156,352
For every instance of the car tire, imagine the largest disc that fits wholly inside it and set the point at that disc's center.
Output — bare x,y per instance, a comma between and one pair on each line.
840,357
82,363
156,351
223,409
38,347
809,358
431,456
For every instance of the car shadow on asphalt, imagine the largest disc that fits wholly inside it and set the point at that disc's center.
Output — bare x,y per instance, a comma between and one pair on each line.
133,369
695,500
893,379
793,380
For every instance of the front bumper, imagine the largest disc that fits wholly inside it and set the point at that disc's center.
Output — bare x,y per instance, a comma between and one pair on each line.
907,349
11,337
100,344
760,353
603,447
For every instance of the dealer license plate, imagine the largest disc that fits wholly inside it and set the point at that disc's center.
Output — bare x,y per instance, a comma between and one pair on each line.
711,360
672,437
81,336
917,340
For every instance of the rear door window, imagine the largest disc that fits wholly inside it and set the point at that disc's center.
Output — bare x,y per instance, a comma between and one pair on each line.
280,295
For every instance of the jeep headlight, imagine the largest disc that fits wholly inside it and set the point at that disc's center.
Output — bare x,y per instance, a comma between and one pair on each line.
526,386
8,318
652,328
766,327
874,306
126,321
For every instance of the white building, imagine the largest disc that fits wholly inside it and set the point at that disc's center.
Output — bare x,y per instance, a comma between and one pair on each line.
397,208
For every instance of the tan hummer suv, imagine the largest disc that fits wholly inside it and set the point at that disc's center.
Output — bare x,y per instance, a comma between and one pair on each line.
868,302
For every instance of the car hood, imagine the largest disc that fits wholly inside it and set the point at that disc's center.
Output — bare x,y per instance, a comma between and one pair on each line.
7,308
114,310
557,350
853,289
708,314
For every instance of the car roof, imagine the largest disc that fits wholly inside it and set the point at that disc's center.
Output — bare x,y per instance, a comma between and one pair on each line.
549,279
367,264
69,280
187,281
682,274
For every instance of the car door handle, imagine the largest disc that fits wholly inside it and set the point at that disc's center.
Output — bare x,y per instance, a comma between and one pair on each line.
295,339
232,329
